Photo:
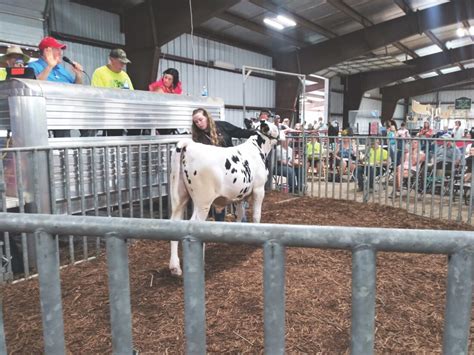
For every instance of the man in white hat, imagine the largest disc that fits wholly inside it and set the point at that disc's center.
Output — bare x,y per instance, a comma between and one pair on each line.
14,57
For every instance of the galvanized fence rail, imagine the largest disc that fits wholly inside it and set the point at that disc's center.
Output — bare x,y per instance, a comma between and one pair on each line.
428,177
129,180
274,239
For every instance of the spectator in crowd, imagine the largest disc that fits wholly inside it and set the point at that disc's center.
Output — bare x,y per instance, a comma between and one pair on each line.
277,120
219,133
285,124
412,161
469,164
346,156
288,166
319,124
14,57
458,135
113,75
264,115
48,66
403,132
425,132
313,153
392,142
333,132
376,158
447,155
168,84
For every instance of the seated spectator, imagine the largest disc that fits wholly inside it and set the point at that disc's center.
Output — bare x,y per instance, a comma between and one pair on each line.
14,57
168,84
113,75
412,161
313,153
48,67
346,156
447,155
469,165
376,158
287,166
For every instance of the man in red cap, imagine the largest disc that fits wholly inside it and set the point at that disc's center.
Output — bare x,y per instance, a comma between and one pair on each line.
48,67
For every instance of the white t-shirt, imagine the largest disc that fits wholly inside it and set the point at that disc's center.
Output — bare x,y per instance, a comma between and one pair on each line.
403,133
284,154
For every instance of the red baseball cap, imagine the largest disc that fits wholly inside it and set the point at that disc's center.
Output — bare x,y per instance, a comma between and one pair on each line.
50,42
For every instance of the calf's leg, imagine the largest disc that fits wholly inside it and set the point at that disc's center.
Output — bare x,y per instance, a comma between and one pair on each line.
258,195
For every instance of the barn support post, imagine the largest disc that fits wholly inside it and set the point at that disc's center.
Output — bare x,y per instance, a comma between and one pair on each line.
363,300
274,297
194,296
458,303
50,293
119,294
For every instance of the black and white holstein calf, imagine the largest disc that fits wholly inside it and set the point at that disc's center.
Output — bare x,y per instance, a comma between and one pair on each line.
220,176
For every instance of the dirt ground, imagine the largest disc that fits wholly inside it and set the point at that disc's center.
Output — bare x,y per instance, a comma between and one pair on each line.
410,293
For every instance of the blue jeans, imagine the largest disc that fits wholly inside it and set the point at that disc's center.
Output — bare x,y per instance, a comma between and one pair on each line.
291,174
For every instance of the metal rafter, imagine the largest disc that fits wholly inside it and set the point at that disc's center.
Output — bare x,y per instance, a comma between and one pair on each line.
403,4
253,26
418,87
280,10
374,79
364,21
363,41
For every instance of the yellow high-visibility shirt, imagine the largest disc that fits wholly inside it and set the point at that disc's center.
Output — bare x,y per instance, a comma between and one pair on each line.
103,77
3,74
313,149
377,156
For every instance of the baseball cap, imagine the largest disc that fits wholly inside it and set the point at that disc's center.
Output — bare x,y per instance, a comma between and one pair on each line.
446,136
50,42
120,55
14,50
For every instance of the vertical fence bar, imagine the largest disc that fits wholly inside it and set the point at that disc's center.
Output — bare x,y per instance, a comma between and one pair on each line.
274,297
119,294
129,179
8,272
457,319
82,193
194,296
118,172
21,203
50,293
150,181
363,300
159,171
67,186
107,180
140,179
3,343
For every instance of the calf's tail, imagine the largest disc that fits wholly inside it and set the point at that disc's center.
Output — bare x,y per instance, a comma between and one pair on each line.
177,185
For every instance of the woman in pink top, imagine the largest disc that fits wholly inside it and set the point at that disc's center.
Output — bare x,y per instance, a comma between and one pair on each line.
168,84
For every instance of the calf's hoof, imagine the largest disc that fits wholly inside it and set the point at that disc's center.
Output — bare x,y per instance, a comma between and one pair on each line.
176,271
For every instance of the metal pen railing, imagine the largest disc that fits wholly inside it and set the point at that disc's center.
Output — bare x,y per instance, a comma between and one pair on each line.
274,239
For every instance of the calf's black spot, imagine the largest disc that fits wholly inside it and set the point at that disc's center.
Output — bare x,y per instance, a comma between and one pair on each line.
235,159
227,164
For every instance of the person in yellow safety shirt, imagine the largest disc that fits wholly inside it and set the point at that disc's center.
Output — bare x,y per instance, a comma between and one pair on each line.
112,76
14,57
378,158
313,151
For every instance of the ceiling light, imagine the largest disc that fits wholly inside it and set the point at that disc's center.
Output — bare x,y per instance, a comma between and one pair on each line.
285,21
471,31
460,32
272,23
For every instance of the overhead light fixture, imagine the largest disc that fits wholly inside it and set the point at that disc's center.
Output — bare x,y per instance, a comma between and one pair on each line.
285,21
471,31
272,23
460,32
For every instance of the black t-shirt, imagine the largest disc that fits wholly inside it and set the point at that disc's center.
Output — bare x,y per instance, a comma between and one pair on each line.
226,131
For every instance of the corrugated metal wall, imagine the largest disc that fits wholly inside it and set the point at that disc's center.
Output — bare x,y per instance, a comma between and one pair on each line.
21,21
207,50
87,22
90,57
259,92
